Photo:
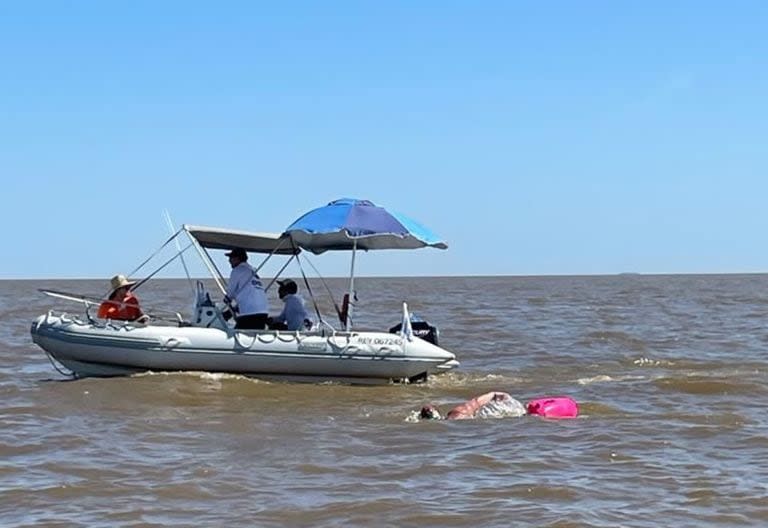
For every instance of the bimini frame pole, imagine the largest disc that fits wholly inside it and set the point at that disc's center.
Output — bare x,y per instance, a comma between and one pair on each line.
206,260
178,248
348,321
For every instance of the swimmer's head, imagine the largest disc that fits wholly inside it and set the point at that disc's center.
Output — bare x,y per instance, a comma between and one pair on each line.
429,412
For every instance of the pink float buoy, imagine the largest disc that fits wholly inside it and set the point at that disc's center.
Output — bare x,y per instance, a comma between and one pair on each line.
553,407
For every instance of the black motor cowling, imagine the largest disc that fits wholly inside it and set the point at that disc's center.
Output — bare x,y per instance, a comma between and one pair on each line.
421,329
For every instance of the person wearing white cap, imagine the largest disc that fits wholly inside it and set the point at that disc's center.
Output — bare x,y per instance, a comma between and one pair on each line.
246,290
122,304
294,315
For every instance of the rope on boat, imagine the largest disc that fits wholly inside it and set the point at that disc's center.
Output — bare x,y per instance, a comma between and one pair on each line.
68,373
173,236
145,279
311,295
327,289
287,337
237,340
267,338
261,337
178,247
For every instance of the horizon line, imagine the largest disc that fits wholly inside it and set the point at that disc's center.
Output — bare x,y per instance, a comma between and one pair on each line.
497,275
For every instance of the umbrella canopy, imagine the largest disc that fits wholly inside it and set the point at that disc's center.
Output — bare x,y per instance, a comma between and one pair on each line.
349,224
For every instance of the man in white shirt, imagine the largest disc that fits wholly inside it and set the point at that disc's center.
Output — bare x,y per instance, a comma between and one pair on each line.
246,289
294,315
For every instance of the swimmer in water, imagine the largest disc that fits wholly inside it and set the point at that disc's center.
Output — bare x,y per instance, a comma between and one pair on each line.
490,403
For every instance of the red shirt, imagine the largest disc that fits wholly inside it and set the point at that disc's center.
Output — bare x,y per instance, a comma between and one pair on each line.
127,310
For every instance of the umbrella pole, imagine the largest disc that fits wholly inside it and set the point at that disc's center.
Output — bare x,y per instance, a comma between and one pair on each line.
347,322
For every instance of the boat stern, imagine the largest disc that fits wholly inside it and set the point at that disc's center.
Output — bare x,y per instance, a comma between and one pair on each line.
436,358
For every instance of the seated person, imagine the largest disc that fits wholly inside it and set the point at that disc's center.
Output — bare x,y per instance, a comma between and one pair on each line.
294,315
122,304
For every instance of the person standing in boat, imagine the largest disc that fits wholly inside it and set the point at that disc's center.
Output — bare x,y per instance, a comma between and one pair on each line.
294,315
122,304
247,292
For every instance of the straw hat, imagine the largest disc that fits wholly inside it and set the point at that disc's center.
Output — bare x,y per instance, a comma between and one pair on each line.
119,281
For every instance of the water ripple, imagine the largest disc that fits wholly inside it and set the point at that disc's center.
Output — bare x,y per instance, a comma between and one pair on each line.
669,372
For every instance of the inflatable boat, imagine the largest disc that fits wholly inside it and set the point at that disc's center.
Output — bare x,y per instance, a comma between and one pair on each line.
112,348
88,346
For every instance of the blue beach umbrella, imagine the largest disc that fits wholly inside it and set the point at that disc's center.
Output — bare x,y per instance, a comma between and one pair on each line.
350,224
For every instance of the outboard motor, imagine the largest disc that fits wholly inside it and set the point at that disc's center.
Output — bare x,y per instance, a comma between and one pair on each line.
421,329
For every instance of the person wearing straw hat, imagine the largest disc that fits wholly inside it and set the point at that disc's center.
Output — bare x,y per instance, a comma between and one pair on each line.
122,304
247,292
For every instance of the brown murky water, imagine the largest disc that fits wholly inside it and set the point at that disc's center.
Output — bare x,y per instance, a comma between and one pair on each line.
670,372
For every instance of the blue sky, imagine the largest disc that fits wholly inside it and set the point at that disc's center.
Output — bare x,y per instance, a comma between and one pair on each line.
535,137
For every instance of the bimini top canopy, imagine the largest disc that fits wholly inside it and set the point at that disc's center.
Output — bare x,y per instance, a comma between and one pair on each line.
221,238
